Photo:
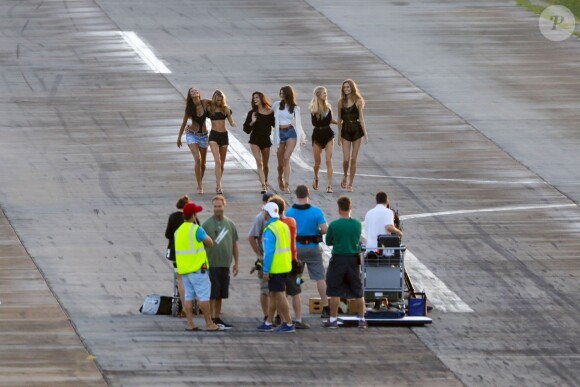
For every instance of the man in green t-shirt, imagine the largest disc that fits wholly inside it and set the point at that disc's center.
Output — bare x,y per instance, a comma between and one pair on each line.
225,236
343,277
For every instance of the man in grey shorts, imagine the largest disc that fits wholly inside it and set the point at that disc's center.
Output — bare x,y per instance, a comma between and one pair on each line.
311,225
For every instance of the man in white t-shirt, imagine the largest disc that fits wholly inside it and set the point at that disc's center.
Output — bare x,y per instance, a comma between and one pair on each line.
379,221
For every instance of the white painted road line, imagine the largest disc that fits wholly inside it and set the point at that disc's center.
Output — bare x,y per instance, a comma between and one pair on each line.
496,209
144,52
439,295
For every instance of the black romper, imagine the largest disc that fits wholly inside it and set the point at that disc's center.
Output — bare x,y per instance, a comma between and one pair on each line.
322,133
351,127
261,130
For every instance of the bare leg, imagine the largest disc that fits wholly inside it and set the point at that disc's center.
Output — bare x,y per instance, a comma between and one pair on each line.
203,154
206,310
223,153
215,151
271,307
260,166
290,145
216,307
265,163
317,153
297,306
283,307
346,145
353,160
329,149
188,307
333,301
321,286
264,303
196,153
280,157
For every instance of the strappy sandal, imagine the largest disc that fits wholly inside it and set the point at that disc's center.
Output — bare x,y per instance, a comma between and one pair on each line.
315,184
343,183
286,188
219,190
199,190
349,188
264,189
329,189
281,183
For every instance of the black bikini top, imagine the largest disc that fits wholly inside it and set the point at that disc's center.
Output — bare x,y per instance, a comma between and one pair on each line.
217,116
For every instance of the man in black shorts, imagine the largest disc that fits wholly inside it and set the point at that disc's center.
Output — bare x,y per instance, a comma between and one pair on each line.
343,277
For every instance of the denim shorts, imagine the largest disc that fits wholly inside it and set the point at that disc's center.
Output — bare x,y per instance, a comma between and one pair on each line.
197,285
288,134
199,139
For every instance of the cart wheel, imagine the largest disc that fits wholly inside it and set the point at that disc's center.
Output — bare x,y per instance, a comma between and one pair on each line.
174,306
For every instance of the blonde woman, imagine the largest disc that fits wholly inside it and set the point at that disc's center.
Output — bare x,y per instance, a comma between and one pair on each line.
218,111
322,135
287,132
351,125
196,136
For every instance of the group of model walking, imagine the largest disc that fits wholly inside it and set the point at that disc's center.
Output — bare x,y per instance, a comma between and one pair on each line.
278,124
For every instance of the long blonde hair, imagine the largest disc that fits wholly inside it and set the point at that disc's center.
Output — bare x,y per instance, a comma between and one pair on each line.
214,104
356,97
318,106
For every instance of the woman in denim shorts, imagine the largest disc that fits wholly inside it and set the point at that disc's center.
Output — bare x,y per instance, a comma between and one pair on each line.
287,131
218,111
196,132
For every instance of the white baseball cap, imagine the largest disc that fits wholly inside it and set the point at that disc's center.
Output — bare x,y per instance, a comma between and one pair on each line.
272,209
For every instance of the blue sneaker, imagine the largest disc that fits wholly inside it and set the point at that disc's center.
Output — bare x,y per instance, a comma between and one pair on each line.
265,327
285,328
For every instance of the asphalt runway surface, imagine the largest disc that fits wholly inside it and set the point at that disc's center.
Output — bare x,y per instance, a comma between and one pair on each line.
473,124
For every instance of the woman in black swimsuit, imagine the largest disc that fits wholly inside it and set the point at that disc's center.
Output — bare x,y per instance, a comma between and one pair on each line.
322,135
196,135
351,125
259,123
218,111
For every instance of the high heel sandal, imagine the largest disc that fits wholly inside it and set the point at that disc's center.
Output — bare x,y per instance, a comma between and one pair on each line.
315,184
349,188
199,190
219,190
329,189
343,183
281,183
286,188
264,189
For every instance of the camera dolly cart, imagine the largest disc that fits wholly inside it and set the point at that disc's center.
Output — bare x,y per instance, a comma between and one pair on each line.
385,282
176,306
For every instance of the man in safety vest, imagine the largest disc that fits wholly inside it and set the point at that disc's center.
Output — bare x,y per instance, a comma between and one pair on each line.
192,264
277,266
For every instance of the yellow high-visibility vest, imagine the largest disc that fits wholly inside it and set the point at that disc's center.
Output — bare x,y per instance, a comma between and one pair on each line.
282,261
190,253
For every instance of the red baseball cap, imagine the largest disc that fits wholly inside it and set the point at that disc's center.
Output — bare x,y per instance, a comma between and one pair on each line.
191,209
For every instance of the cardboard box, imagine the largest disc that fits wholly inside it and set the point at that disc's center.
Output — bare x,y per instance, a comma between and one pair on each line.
315,305
353,306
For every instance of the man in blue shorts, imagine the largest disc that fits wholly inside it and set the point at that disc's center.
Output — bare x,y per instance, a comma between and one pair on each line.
311,225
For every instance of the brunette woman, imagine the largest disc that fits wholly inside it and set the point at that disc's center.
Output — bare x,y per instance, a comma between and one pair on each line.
287,131
258,124
196,136
218,111
351,125
322,135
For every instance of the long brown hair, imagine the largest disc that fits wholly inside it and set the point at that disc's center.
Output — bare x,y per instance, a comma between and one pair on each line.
263,100
289,98
356,97
190,108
